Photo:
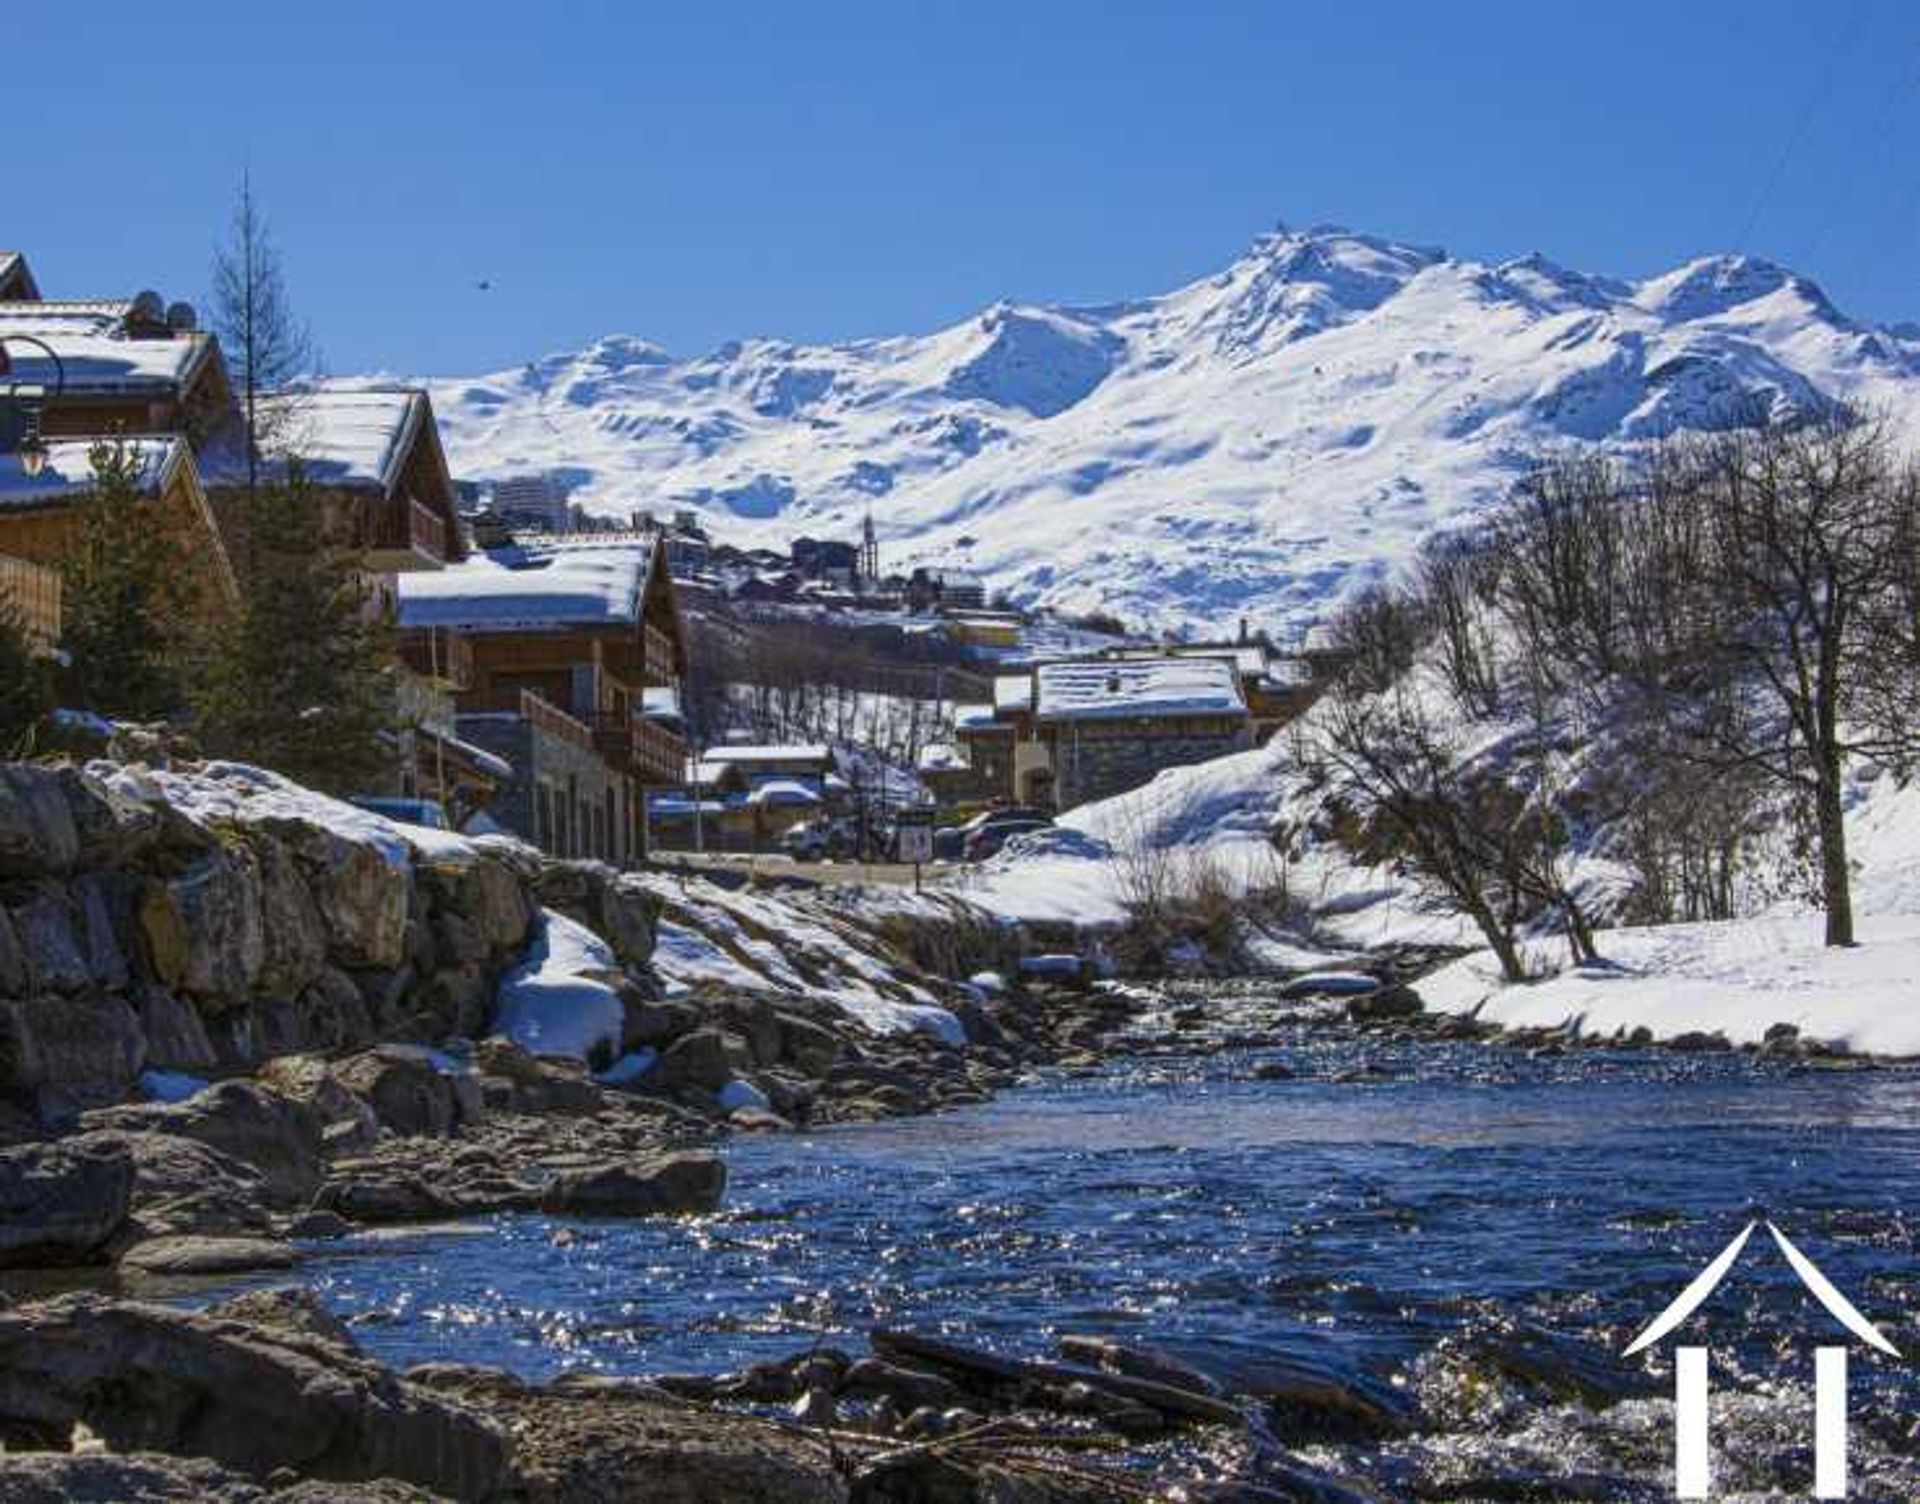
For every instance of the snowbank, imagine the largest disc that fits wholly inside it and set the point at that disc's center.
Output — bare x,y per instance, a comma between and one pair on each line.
757,942
1738,978
556,1001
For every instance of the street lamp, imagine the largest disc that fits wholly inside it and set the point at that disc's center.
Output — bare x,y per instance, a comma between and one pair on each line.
27,402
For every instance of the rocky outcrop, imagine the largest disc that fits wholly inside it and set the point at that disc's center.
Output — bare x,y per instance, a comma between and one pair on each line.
251,1398
677,1184
137,934
61,1203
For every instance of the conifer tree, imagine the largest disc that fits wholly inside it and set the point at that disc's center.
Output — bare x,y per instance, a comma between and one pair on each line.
25,695
125,600
303,684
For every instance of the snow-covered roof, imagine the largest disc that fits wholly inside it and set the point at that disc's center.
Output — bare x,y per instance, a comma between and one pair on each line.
1012,692
344,438
96,355
1138,688
942,757
519,589
778,791
792,752
972,717
69,470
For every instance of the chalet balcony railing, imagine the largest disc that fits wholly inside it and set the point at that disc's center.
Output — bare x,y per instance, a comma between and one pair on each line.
659,656
32,591
403,525
651,753
550,718
658,755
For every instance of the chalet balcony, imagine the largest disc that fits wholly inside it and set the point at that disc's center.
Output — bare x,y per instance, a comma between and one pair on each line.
404,535
650,753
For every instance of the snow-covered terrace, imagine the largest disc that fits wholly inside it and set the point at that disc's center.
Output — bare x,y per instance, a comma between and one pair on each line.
1137,689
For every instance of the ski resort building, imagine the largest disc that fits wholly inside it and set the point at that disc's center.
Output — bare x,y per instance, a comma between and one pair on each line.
561,643
1068,733
42,514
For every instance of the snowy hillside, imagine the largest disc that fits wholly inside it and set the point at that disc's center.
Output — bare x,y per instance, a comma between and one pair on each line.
1257,442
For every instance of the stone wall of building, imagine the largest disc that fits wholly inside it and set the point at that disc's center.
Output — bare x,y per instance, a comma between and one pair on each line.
1090,767
564,798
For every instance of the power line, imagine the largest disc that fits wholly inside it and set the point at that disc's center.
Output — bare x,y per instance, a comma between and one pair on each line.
1814,101
1897,94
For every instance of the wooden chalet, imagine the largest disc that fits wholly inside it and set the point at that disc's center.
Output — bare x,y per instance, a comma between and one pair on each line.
373,458
41,516
16,279
120,366
550,650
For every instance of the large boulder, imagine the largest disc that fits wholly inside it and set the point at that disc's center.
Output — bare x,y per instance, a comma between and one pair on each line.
593,1440
363,896
404,1087
203,931
61,1202
349,1124
181,1186
278,1135
36,826
110,829
252,1398
56,958
696,1060
294,940
176,1038
676,1184
67,1054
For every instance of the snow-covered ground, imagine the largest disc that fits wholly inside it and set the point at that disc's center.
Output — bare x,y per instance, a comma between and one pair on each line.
1739,977
745,940
1258,442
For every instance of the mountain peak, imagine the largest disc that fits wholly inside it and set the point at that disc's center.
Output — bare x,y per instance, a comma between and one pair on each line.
1258,442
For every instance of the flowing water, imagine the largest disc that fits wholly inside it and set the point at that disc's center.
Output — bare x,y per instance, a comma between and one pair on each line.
1397,1210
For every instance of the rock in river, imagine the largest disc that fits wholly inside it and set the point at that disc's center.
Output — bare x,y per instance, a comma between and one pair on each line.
675,1184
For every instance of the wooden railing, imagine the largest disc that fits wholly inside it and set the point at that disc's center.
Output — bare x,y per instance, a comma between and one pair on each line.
652,752
32,593
548,717
661,669
403,525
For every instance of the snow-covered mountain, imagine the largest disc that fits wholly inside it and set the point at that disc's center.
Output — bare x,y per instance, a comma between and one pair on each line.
1256,443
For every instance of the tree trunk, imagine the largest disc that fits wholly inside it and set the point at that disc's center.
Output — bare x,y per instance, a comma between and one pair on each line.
1836,882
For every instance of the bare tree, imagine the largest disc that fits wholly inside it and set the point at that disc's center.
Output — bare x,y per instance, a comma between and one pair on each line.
267,347
1812,565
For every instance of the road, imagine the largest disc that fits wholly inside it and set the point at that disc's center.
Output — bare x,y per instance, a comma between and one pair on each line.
728,864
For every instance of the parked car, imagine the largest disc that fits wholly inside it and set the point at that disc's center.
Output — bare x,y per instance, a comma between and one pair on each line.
988,840
815,840
424,812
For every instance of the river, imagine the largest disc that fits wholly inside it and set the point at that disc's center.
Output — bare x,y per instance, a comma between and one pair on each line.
1391,1208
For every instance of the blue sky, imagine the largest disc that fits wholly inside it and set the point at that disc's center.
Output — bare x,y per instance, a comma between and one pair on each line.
692,173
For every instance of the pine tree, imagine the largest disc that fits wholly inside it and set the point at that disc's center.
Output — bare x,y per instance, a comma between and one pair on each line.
25,694
303,684
266,346
125,597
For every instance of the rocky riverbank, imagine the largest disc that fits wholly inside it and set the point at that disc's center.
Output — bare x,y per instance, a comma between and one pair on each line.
236,1019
